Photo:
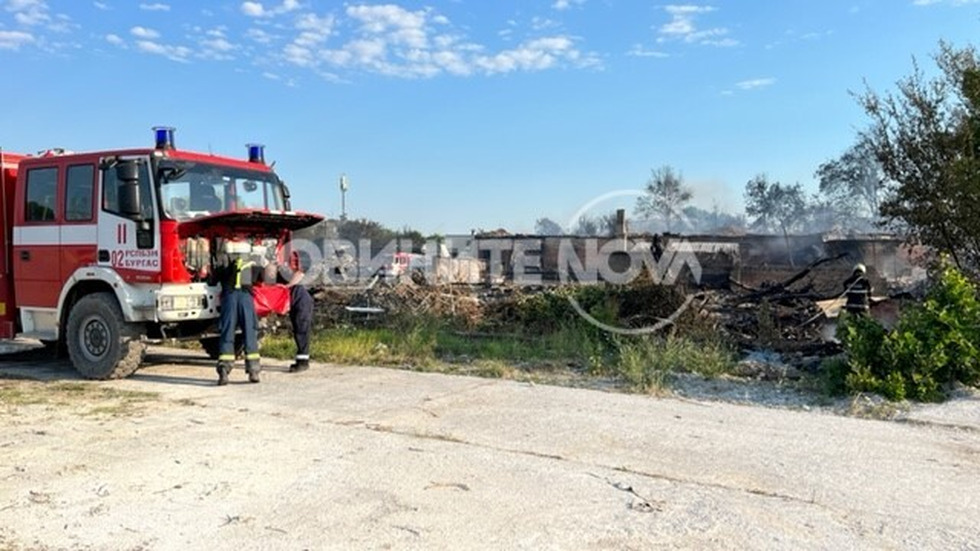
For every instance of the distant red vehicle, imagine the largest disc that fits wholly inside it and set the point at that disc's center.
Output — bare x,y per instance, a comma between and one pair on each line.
402,264
107,250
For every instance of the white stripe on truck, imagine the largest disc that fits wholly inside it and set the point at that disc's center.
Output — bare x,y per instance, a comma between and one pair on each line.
56,235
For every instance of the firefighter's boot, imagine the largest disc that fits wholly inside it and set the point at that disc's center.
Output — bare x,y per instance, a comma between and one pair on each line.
223,369
253,369
299,365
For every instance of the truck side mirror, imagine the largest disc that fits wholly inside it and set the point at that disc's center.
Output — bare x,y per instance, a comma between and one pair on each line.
129,199
285,198
128,171
128,174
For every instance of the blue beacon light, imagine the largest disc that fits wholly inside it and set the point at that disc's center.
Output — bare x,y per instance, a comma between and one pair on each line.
256,153
164,137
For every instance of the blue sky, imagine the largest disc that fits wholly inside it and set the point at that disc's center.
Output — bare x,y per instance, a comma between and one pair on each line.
453,115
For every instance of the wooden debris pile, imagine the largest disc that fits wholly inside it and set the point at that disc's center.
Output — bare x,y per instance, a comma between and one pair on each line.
783,316
337,305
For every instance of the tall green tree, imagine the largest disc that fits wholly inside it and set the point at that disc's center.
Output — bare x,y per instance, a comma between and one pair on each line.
666,196
775,206
926,135
855,184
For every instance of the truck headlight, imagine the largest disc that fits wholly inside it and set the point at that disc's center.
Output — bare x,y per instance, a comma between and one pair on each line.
180,302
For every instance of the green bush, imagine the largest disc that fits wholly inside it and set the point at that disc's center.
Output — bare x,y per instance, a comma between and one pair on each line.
934,345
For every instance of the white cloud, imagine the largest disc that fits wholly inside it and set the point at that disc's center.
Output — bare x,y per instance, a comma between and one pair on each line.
399,25
394,41
384,39
683,26
101,6
561,5
29,12
313,32
13,40
145,33
62,24
257,9
155,7
639,51
253,9
115,40
543,23
175,53
216,46
755,84
260,36
535,55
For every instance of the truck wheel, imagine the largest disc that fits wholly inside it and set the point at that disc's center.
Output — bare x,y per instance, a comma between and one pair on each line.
101,344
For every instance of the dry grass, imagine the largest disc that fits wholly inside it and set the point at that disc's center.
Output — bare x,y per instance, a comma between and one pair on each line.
87,398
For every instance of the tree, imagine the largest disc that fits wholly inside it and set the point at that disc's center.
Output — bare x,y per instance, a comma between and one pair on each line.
855,183
712,221
774,206
414,237
824,214
666,196
362,228
587,226
547,226
927,138
378,234
607,224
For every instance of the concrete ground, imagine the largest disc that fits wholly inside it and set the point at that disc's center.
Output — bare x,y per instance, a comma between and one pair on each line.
362,457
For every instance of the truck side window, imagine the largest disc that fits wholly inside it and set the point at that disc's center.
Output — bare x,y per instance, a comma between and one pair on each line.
42,185
78,192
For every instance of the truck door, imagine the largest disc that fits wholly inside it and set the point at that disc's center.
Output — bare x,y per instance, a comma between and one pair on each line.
129,245
37,269
79,234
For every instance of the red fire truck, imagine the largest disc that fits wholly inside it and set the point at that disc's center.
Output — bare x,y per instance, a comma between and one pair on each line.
108,250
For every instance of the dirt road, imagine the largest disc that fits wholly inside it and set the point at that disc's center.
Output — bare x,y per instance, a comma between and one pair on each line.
344,458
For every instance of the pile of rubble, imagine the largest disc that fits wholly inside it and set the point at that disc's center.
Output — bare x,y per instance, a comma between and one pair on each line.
343,305
791,314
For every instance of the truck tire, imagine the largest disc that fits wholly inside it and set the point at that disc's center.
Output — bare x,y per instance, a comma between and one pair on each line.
101,344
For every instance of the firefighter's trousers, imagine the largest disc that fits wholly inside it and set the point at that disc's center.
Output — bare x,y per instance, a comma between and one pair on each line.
238,310
301,317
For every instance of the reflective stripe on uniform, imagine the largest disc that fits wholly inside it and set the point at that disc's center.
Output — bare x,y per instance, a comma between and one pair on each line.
302,356
226,358
253,356
239,266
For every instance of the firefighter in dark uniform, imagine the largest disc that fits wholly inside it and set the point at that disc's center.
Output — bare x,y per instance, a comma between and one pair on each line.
237,272
857,289
296,275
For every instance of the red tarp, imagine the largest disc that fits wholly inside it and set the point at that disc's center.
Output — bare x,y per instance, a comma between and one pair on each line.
271,299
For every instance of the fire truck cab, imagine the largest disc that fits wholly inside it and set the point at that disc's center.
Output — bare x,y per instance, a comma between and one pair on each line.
104,251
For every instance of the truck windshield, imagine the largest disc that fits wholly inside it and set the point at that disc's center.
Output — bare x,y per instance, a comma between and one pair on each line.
190,189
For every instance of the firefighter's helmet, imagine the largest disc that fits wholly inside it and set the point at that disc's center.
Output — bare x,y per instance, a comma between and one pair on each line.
860,268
